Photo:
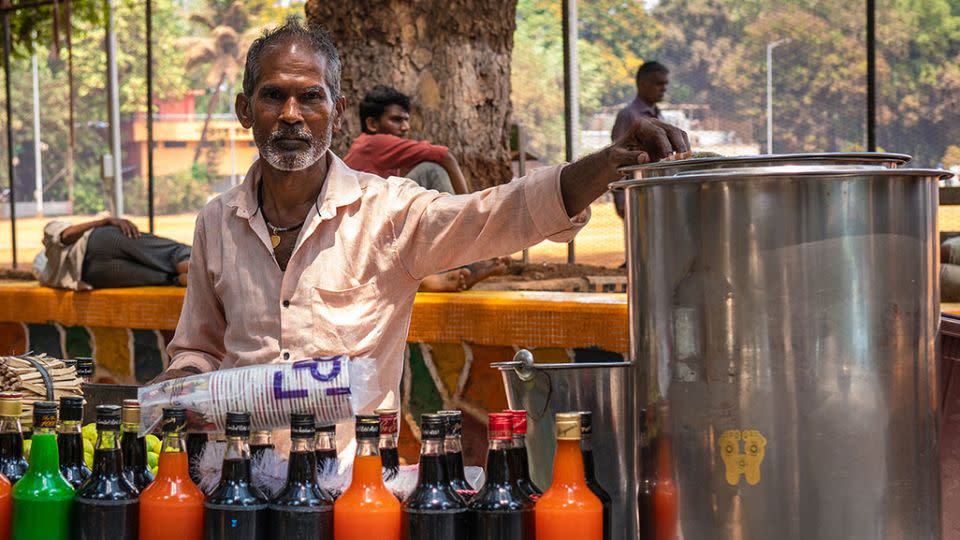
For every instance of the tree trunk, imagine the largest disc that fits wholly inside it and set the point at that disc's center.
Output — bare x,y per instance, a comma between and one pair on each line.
212,106
452,57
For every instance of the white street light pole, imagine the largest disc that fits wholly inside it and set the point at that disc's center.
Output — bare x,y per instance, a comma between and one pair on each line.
37,148
770,47
113,85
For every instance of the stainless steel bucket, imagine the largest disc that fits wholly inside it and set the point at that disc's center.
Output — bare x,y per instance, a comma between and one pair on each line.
672,168
546,389
784,333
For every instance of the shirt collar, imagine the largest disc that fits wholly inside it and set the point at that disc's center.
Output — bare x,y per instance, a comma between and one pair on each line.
340,188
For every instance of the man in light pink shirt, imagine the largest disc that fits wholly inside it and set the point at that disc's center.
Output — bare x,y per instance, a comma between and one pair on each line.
308,257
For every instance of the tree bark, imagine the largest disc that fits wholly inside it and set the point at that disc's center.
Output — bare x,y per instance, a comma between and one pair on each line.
452,57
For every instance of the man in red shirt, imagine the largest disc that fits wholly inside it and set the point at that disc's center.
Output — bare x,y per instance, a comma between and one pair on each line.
384,149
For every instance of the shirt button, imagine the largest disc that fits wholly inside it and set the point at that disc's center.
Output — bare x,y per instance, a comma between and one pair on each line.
286,303
286,356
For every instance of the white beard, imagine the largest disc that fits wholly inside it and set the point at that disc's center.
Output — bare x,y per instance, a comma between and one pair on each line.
285,160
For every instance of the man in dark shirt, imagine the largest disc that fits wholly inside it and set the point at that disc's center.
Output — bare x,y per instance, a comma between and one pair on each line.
384,149
652,81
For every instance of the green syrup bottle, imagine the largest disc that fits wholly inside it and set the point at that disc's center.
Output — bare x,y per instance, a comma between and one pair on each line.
42,498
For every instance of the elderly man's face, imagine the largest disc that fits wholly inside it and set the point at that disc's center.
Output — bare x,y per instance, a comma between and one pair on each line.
291,111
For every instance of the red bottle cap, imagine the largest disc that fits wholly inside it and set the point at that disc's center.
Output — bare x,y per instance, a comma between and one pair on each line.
519,421
501,427
389,423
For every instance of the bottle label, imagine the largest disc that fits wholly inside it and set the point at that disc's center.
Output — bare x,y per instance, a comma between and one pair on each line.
433,432
108,424
44,420
302,431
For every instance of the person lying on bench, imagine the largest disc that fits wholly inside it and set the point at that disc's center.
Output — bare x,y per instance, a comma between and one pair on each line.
109,252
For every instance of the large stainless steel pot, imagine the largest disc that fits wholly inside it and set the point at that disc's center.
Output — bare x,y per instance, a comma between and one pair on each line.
783,329
671,168
543,390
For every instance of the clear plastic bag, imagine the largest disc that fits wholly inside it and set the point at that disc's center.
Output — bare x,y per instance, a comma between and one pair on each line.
333,389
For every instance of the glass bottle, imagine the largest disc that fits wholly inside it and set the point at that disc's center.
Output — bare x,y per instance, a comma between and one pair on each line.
589,471
434,509
236,509
568,509
106,506
171,508
648,480
519,459
5,507
85,369
367,509
389,428
665,493
134,447
42,499
453,450
302,509
12,463
326,449
501,510
70,441
196,442
260,442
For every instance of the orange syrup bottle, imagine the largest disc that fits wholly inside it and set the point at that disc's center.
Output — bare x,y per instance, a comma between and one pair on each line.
367,509
568,509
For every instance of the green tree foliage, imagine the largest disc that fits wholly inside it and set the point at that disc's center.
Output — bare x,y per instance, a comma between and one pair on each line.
716,51
615,35
91,107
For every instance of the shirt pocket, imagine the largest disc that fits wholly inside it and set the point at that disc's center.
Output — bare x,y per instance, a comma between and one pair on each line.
347,321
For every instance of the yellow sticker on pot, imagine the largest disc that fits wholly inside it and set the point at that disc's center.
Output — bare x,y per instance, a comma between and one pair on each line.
742,453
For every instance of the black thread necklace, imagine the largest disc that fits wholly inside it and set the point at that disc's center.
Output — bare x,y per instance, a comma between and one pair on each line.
274,231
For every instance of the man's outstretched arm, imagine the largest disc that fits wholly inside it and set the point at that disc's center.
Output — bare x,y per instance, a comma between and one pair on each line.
648,140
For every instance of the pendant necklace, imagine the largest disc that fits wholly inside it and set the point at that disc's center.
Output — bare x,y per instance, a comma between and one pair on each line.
274,231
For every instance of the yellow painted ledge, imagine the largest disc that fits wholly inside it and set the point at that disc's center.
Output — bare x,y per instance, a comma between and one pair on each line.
530,319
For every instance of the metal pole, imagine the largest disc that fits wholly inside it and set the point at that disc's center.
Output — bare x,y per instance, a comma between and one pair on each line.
770,48
7,47
571,91
871,77
37,151
149,17
522,169
114,92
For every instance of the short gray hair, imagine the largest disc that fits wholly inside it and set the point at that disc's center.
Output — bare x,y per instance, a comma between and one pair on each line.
293,30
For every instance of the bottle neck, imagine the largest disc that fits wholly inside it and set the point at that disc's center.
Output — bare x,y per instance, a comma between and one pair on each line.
303,462
432,468
69,427
173,456
568,463
388,441
452,445
70,444
498,462
10,424
586,444
367,467
367,447
519,440
44,455
106,457
326,441
134,447
237,448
